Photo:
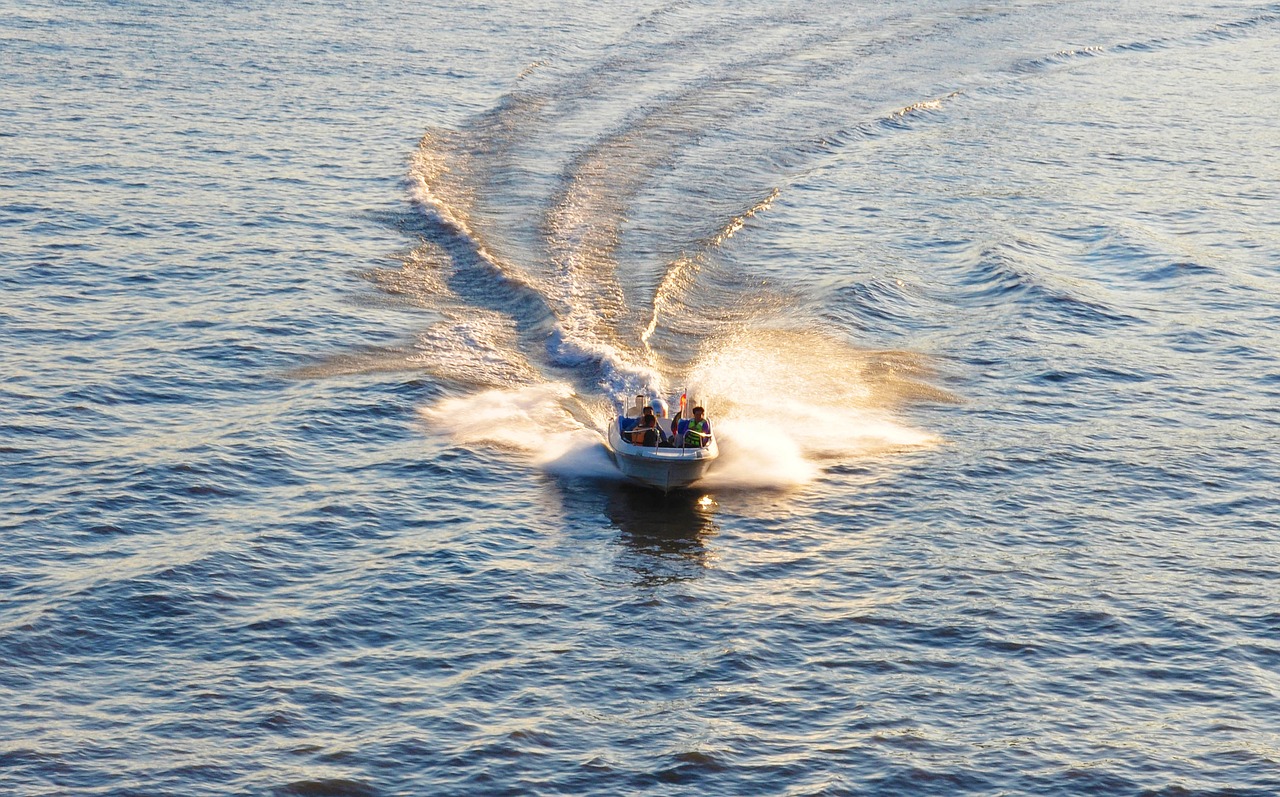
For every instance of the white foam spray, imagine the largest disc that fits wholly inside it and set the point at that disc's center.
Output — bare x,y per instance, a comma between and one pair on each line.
784,404
532,422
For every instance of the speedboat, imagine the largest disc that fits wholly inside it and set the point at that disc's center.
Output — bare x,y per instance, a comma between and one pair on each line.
666,463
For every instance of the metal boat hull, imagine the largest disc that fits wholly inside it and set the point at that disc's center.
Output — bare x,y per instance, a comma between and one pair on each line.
663,468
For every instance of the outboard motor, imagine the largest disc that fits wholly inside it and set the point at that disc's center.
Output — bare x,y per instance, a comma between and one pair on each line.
659,407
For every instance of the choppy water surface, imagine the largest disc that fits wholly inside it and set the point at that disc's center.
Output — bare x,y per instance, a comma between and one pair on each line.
312,314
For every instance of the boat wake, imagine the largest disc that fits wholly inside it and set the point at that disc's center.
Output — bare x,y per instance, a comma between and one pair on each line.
545,425
591,237
603,229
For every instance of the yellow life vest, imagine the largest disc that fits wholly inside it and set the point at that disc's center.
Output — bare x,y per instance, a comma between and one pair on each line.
693,435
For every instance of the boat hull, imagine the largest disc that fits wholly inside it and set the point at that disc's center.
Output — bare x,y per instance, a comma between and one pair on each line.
663,468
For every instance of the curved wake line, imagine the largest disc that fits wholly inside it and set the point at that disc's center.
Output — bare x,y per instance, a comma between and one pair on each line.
567,345
681,272
583,224
426,172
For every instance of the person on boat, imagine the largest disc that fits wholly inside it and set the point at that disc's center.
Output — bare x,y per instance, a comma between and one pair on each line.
646,431
660,409
699,432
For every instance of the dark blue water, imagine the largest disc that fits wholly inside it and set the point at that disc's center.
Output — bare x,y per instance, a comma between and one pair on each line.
312,314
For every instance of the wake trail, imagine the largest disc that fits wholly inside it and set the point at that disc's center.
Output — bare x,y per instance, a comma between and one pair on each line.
574,313
682,273
583,225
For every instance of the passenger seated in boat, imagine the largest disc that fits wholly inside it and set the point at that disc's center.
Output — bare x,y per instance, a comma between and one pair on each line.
646,431
697,432
671,440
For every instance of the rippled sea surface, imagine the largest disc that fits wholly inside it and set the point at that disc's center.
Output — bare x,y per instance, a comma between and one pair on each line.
313,312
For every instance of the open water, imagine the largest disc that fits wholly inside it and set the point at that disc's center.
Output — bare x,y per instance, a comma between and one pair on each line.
312,313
